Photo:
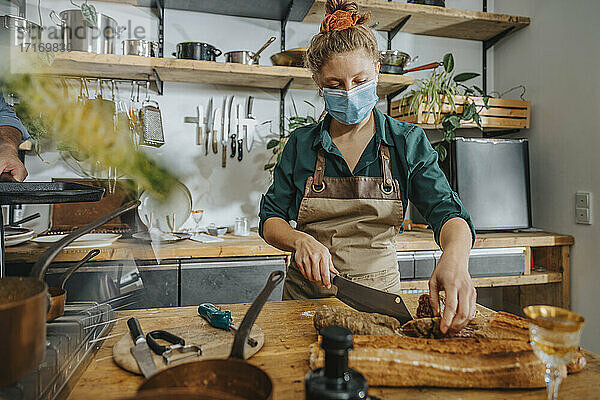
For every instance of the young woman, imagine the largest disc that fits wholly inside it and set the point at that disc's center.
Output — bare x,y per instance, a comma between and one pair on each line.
346,182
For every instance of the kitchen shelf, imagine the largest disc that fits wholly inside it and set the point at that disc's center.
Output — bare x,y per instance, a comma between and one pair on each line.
536,278
431,21
112,66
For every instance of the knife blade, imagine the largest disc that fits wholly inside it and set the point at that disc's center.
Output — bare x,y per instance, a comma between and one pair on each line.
209,126
215,130
141,351
200,127
366,299
250,124
240,128
226,129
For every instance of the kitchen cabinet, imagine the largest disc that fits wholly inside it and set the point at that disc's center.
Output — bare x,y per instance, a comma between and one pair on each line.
233,280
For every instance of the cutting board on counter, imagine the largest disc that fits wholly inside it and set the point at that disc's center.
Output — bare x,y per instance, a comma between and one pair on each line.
215,343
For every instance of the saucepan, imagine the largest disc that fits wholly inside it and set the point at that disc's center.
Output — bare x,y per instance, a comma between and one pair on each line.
234,377
247,57
394,62
197,51
24,305
290,58
58,294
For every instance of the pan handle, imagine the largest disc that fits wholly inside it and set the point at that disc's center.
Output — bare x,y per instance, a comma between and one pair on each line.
423,67
41,265
67,274
241,336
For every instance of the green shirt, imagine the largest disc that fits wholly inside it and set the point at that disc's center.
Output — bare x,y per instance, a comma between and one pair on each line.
414,164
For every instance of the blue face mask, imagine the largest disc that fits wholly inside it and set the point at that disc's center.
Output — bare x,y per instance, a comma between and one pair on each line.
352,106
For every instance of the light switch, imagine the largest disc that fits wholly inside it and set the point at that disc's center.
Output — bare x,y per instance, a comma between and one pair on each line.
583,208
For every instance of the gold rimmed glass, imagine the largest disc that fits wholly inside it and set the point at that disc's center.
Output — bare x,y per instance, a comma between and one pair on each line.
555,334
197,216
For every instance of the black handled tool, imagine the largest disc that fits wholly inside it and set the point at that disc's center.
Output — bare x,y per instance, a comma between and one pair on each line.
233,141
178,346
140,351
240,143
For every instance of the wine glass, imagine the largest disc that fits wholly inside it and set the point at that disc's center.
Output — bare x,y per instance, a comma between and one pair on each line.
197,216
555,334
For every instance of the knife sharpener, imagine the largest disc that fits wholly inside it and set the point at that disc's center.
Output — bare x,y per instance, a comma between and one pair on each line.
335,381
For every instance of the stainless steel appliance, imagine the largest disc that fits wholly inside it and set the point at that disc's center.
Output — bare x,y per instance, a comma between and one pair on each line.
491,177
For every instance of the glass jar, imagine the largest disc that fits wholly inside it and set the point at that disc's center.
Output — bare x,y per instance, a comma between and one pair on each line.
241,227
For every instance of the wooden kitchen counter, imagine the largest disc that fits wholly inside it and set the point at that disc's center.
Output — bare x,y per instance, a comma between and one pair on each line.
253,245
288,332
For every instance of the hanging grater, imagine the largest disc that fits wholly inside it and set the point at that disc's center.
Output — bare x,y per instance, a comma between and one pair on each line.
152,128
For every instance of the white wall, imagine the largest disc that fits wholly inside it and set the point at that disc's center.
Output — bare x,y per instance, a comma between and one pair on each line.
234,191
557,58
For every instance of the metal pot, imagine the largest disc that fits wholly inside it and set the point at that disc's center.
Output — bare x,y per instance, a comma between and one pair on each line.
24,304
143,48
197,51
395,57
78,35
20,31
247,57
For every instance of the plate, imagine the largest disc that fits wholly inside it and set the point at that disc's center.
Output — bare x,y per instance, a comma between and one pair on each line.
85,241
178,203
164,237
15,233
18,238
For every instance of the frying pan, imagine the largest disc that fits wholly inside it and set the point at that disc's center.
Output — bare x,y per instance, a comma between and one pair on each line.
58,294
397,69
290,58
24,305
233,376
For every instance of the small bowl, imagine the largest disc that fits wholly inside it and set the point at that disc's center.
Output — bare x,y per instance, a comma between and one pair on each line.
217,230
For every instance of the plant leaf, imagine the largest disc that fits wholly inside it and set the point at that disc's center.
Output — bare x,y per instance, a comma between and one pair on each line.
465,76
89,13
448,63
269,166
275,150
486,99
441,150
454,121
469,111
479,90
477,120
272,143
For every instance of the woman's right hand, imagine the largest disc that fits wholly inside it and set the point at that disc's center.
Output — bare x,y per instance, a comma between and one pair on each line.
314,260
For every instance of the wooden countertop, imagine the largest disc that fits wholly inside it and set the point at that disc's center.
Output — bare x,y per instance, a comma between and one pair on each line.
288,333
253,245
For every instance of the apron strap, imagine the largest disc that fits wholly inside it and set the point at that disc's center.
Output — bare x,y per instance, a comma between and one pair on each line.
386,169
319,169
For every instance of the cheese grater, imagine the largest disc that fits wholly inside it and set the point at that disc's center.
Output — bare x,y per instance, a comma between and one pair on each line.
152,128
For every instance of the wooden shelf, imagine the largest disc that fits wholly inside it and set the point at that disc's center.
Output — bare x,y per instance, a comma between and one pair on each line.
430,21
536,278
208,72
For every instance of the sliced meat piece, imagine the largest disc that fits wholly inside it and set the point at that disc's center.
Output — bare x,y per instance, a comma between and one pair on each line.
360,323
424,309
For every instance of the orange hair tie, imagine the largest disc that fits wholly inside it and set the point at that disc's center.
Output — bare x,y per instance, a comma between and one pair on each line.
339,21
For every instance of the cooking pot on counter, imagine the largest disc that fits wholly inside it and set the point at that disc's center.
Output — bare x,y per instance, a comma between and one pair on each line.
20,31
78,35
197,51
24,306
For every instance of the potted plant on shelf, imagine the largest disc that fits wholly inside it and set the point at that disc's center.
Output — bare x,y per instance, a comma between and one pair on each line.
445,102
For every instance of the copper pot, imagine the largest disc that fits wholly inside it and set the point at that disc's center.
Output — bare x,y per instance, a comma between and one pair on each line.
24,304
233,376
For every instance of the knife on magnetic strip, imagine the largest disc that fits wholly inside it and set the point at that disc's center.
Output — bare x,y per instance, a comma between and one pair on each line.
366,299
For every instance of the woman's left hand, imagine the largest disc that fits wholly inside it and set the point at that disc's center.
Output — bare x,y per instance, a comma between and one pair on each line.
451,274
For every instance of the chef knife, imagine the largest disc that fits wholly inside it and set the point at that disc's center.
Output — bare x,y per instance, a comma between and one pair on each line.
226,129
209,126
200,127
141,351
215,130
240,141
250,124
366,299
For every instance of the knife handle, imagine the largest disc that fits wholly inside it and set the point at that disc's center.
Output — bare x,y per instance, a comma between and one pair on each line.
224,157
135,330
240,143
233,136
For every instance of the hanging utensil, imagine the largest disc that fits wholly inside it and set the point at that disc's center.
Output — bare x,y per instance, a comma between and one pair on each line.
240,140
226,129
257,54
249,124
216,130
152,128
209,127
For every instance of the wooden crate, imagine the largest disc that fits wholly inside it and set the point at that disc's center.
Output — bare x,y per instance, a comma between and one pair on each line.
502,114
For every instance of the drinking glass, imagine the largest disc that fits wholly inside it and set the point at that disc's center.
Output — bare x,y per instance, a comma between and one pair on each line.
197,216
555,334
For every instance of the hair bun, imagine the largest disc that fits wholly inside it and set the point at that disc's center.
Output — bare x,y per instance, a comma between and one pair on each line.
345,5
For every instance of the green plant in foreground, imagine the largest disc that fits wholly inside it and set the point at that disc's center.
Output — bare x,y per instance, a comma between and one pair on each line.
276,145
443,85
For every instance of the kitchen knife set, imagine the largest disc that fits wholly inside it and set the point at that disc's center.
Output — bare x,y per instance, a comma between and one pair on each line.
230,127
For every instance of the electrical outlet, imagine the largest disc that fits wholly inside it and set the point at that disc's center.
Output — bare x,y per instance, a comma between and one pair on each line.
582,215
582,199
583,208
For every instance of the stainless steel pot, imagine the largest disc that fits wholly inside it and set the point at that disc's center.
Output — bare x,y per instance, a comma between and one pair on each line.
143,48
78,35
197,51
395,57
20,31
241,57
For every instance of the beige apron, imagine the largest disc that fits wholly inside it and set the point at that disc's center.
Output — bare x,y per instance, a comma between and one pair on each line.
357,219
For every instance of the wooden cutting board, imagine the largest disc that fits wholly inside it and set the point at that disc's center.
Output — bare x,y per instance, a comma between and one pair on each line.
215,343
